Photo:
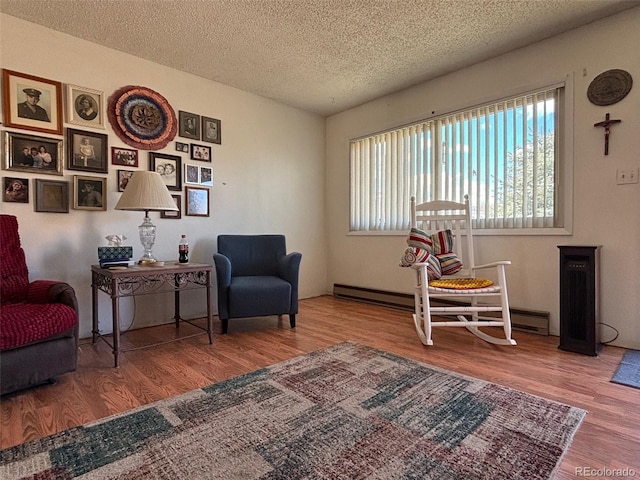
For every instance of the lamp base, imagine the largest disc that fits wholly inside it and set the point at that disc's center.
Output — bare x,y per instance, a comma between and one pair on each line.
147,232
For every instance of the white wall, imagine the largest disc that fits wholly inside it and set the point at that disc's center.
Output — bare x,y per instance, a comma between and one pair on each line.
268,173
604,213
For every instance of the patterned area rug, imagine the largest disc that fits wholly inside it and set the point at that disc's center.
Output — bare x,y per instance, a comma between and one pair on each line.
628,372
345,412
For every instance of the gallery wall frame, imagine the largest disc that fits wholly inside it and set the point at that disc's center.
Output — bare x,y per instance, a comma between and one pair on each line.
87,151
16,190
123,179
197,201
31,102
211,130
206,176
200,152
191,174
32,153
52,196
173,214
89,193
169,167
188,125
126,157
85,106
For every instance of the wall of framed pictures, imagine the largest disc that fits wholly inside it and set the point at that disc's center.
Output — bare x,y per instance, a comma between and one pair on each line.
269,152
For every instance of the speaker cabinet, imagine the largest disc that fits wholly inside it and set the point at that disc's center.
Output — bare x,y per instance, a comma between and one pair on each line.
579,303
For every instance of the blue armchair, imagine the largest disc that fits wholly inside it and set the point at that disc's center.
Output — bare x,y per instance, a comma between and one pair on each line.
256,277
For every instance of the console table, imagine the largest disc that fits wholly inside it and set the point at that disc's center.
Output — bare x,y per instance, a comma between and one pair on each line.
148,280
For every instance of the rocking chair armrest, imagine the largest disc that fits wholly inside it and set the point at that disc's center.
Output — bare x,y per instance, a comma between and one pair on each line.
492,265
418,265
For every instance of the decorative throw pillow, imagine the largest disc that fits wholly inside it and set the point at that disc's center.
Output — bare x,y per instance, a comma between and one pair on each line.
419,239
449,263
417,255
442,242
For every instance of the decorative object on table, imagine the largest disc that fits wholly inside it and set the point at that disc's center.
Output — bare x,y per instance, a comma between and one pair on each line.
52,196
85,106
200,152
175,215
124,156
606,124
142,118
87,151
89,193
32,103
115,254
183,250
30,153
346,411
206,176
211,130
146,192
197,201
609,87
123,179
169,167
16,190
182,147
189,125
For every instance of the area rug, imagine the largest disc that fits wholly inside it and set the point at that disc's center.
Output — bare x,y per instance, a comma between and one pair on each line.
344,412
628,372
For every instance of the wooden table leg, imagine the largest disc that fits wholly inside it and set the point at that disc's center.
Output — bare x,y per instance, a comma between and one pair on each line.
115,310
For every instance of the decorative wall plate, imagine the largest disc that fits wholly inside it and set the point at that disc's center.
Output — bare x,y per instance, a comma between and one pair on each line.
142,118
609,87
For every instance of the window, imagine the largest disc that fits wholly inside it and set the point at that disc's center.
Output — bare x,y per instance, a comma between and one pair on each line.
504,155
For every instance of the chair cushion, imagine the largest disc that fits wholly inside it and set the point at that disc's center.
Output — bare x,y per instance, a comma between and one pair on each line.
22,323
14,275
254,296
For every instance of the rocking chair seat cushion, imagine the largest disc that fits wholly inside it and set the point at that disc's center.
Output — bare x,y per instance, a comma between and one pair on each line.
24,323
463,284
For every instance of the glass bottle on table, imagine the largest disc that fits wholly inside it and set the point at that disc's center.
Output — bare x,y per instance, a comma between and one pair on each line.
183,250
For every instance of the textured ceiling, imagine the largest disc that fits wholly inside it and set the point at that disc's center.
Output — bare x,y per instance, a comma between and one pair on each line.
322,56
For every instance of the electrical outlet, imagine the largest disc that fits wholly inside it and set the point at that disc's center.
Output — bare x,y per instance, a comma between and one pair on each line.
625,176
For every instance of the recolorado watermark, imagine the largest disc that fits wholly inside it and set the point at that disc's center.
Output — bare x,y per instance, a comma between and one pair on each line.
604,472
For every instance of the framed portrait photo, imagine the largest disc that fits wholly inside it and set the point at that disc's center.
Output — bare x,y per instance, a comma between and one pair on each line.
197,201
200,152
191,174
172,214
32,103
52,196
125,157
123,179
206,176
169,167
211,130
16,190
182,147
189,125
89,193
87,151
30,153
85,106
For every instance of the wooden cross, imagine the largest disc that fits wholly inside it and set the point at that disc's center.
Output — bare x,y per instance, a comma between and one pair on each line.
606,124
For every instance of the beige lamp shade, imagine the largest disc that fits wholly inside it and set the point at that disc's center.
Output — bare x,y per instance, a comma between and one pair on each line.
146,191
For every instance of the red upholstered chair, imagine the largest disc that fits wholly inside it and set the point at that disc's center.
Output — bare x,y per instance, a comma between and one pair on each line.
38,320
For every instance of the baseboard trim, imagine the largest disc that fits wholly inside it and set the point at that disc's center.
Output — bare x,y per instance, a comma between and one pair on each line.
532,321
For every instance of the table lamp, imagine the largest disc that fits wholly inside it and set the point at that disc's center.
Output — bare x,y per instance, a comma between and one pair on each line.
146,191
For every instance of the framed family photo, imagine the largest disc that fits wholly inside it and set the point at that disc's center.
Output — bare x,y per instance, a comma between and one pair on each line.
173,214
197,201
52,196
191,174
211,130
87,151
189,125
169,167
206,176
85,106
125,157
200,152
32,103
30,153
16,190
89,193
182,147
123,179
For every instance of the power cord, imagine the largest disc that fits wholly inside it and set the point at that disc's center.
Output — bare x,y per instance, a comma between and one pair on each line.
612,328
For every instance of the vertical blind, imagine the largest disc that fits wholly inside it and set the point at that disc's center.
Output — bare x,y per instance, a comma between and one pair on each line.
503,155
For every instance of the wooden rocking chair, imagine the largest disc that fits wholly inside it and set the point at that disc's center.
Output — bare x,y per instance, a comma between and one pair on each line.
464,294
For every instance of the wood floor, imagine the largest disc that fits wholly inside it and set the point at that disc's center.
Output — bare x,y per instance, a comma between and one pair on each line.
609,438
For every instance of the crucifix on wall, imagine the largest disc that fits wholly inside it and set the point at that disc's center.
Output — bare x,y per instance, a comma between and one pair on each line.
606,124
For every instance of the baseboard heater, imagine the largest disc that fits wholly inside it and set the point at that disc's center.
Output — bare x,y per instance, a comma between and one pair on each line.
533,321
